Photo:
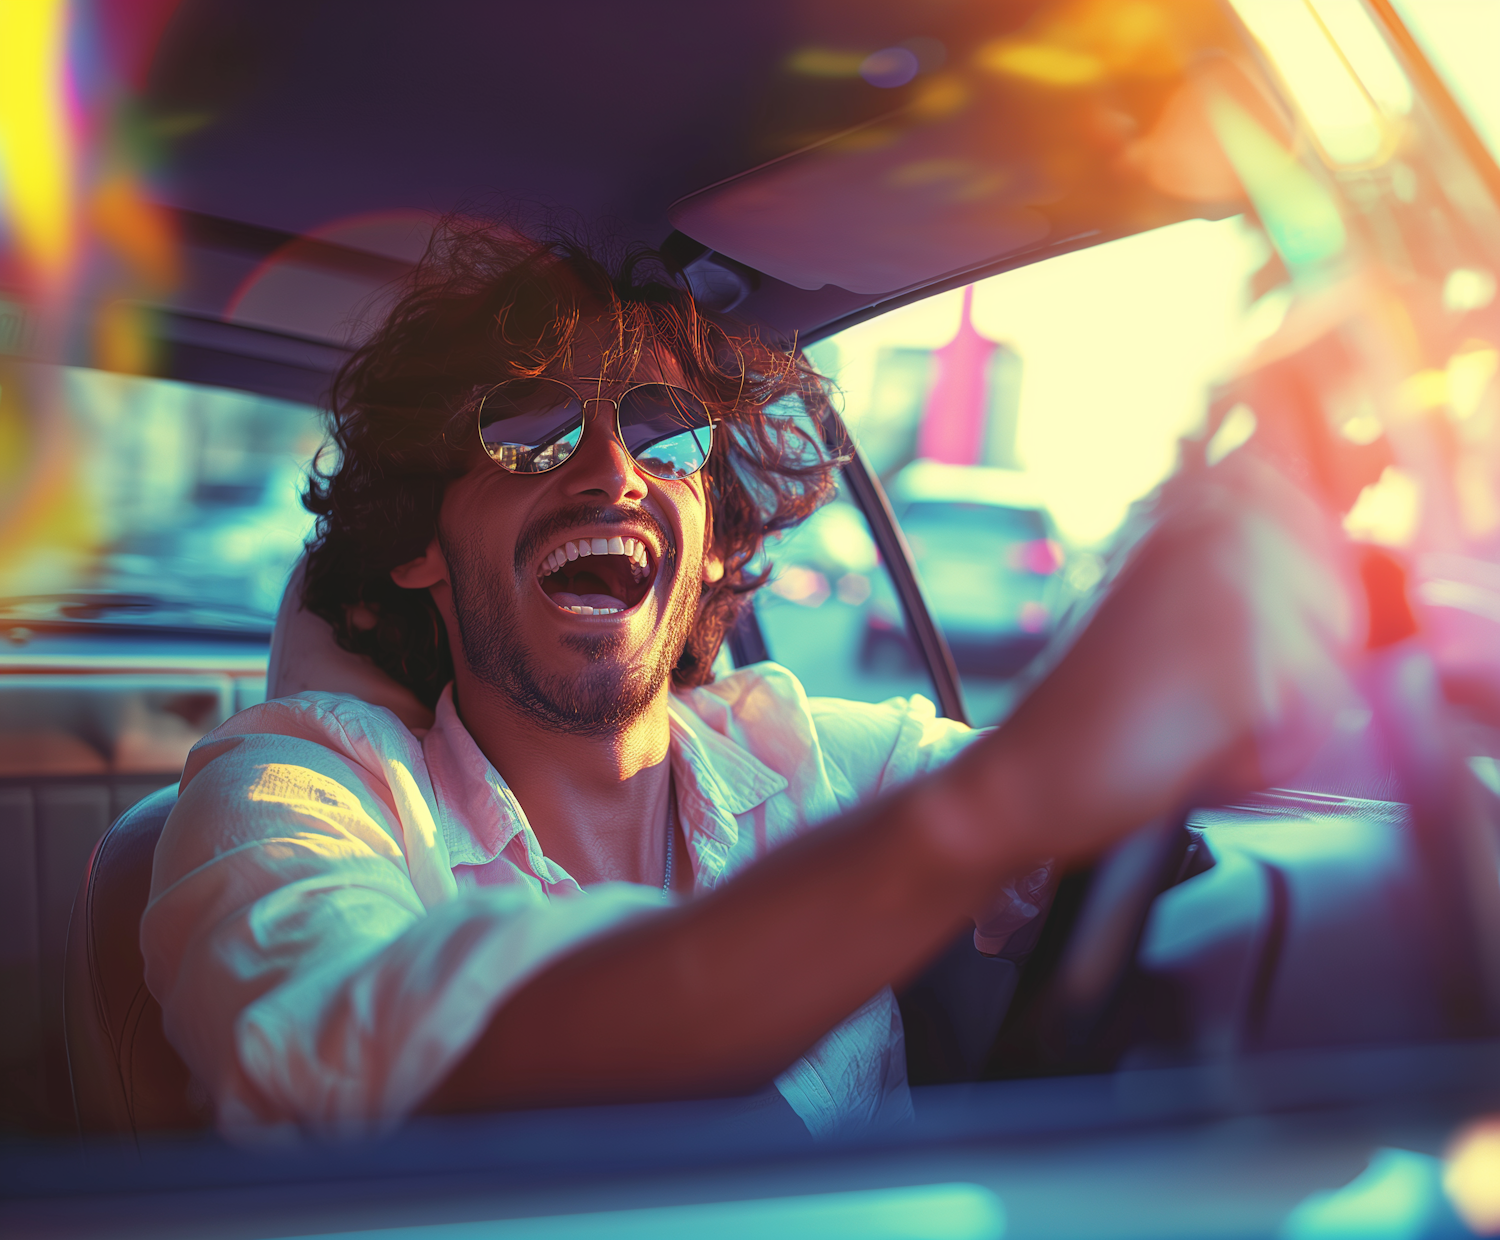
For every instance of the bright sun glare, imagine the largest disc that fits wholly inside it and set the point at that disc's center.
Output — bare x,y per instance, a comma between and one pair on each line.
1460,38
1119,345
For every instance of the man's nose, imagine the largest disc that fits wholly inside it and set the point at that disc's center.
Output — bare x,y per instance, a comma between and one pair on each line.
600,466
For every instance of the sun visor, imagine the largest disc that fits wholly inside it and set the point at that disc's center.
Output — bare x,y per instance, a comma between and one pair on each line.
1074,126
912,209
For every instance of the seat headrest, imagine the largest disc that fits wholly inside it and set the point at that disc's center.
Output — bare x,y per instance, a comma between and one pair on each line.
305,655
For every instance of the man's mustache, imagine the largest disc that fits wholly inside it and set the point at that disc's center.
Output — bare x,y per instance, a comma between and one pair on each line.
542,533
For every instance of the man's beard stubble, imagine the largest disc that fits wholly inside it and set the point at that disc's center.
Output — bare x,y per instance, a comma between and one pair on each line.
602,699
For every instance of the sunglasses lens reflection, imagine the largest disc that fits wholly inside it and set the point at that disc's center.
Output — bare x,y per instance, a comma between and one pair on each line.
666,429
529,426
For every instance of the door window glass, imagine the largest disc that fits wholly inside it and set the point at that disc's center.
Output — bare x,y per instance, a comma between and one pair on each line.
1014,422
831,615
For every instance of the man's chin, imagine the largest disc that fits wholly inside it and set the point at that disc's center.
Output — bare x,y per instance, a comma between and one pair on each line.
579,678
597,700
590,649
585,682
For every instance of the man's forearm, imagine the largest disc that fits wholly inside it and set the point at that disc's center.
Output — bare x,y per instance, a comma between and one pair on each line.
720,995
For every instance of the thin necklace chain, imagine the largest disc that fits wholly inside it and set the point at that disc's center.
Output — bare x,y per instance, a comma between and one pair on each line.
666,883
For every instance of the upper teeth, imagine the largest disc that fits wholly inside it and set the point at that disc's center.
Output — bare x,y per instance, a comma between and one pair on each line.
575,548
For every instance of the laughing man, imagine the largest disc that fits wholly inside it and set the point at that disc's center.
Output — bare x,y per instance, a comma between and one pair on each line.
574,866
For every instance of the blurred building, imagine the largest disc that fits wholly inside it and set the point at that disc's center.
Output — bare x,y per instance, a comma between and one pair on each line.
958,404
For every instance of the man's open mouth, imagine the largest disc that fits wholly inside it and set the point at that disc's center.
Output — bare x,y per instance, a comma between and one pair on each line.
597,576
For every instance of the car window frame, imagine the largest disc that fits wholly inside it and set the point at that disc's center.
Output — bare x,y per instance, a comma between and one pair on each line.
747,642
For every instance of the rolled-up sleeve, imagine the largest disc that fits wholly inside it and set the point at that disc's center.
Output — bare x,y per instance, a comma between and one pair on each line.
317,966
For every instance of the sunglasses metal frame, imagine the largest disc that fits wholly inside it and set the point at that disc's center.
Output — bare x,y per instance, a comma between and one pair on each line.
585,402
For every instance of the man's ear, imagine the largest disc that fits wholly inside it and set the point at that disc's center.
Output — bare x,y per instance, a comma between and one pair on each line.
427,569
713,566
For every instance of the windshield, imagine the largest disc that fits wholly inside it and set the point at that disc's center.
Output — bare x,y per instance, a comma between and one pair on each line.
147,502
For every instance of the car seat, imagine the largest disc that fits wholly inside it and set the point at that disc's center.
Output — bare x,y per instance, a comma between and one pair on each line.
127,1079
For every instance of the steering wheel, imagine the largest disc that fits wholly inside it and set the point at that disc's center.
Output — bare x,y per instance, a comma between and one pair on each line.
1072,1010
1080,1000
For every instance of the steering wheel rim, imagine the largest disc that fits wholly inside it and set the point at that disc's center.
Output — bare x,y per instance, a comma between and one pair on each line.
1066,1015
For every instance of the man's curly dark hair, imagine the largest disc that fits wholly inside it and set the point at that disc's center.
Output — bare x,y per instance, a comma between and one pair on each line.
488,304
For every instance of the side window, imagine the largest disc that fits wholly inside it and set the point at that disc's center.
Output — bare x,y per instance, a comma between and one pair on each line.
1014,422
831,615
176,494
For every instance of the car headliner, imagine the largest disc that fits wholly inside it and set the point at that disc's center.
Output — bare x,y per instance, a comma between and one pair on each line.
358,105
294,117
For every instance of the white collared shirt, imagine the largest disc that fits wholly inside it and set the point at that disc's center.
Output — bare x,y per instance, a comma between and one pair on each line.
339,904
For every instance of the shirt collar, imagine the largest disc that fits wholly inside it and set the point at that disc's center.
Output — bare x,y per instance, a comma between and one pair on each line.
479,814
716,780
714,767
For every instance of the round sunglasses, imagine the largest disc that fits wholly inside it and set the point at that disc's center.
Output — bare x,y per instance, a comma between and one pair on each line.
529,426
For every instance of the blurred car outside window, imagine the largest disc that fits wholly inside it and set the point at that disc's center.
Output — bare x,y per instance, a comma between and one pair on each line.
989,559
816,610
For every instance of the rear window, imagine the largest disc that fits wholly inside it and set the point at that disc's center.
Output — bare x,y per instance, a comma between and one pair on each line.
137,500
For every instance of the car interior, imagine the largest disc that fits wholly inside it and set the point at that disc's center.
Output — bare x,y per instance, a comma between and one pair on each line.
1049,253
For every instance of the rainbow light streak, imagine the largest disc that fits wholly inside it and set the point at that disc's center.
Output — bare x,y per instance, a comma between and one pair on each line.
138,230
36,136
141,234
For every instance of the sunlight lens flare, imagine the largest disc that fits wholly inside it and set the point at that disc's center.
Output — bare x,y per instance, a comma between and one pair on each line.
1471,1176
137,229
1088,42
36,138
1388,511
1336,103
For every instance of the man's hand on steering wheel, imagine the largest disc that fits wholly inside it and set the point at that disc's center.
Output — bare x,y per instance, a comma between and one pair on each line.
1215,663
